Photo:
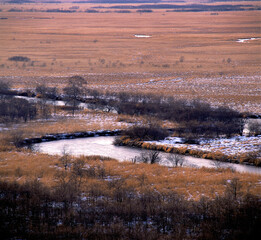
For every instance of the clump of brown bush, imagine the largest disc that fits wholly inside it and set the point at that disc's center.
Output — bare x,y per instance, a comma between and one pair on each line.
146,133
19,59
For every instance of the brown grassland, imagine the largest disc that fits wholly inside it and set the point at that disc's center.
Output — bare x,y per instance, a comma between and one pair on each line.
189,55
25,165
192,183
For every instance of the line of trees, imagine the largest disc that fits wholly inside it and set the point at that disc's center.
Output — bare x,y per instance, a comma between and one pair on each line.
13,109
196,118
33,211
73,93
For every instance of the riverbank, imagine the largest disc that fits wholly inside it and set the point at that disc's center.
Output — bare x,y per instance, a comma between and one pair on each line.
204,151
218,153
190,149
61,136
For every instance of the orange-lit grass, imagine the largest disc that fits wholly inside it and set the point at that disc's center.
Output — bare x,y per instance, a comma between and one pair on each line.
25,165
67,45
86,121
187,181
103,49
192,183
75,43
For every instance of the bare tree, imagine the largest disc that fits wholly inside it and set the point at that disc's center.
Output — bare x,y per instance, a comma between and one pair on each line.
233,188
4,87
176,159
46,93
16,137
78,171
65,159
16,109
148,157
254,127
75,89
218,164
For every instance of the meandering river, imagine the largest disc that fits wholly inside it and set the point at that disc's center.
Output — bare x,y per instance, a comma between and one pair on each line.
103,146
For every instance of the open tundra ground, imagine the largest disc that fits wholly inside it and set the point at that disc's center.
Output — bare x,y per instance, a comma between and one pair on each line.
188,54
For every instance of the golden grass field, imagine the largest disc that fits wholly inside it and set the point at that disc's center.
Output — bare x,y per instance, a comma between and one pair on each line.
24,165
192,183
190,55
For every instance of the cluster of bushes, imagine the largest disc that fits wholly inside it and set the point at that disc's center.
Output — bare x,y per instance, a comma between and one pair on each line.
33,211
5,88
19,59
16,109
60,10
146,133
42,91
255,127
209,129
196,118
144,11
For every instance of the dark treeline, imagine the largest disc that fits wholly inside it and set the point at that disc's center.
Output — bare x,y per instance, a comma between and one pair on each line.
32,211
195,117
120,1
12,109
190,7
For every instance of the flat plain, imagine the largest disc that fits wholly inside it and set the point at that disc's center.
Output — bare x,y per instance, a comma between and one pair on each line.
192,55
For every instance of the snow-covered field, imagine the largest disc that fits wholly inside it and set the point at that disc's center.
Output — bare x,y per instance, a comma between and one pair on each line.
228,146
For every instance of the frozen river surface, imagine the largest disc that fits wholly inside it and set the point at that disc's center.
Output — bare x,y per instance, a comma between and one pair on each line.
103,146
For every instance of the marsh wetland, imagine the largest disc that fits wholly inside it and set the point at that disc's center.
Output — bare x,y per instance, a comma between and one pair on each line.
178,82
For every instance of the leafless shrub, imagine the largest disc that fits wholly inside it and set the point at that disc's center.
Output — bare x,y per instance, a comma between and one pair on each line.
133,160
176,159
218,164
16,137
254,127
65,159
233,188
151,157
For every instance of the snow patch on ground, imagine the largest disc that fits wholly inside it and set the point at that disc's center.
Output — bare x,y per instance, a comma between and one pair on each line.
243,40
228,146
141,36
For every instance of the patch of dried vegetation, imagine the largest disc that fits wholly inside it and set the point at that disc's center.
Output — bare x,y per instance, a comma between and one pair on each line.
192,183
191,55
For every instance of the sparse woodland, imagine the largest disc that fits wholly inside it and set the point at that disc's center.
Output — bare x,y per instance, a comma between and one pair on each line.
89,200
